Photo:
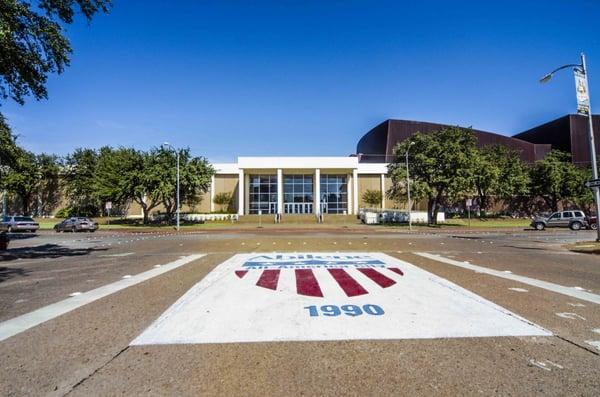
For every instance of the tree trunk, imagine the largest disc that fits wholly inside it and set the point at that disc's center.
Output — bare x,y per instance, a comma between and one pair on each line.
25,202
436,206
430,207
145,212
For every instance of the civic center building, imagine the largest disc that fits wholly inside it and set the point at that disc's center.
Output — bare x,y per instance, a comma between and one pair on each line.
335,185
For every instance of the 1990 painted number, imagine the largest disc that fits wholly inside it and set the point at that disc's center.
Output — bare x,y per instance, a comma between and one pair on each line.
348,310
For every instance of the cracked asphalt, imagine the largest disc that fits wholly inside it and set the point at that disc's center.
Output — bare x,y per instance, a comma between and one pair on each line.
86,350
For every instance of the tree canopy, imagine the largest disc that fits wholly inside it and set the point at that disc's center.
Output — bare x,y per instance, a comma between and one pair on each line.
440,166
555,179
499,174
149,178
33,44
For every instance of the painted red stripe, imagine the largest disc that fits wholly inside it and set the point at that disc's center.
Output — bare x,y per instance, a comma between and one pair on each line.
268,279
307,284
379,278
350,286
396,270
241,273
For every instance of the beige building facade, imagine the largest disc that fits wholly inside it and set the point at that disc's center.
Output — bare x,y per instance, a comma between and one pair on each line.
298,185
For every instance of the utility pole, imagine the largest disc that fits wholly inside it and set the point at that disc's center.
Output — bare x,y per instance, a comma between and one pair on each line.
592,145
584,107
408,187
177,182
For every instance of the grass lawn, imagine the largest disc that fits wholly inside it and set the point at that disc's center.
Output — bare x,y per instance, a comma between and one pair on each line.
494,223
116,224
489,222
48,224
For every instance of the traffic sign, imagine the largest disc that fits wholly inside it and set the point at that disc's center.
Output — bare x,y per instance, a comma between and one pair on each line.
593,183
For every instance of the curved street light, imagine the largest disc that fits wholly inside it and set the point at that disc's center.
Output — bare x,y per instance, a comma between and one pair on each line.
582,69
177,153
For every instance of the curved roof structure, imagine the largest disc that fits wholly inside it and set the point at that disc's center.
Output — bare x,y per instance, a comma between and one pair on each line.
377,145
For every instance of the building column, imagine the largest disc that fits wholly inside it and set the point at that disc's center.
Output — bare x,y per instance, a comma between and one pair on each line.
241,192
317,191
355,190
382,191
212,193
279,191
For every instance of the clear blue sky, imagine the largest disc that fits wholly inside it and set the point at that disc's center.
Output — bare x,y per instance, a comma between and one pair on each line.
307,77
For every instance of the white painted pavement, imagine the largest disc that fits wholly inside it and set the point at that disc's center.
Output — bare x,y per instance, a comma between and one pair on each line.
328,296
575,292
22,323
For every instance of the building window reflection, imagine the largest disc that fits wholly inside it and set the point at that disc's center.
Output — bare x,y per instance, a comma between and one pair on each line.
263,194
334,194
298,194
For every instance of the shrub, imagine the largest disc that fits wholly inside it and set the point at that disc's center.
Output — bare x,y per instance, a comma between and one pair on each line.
372,198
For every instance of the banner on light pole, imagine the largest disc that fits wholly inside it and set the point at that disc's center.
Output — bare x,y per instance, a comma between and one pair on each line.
583,96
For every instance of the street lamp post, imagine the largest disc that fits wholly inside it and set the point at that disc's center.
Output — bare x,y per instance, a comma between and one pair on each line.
582,68
408,187
178,209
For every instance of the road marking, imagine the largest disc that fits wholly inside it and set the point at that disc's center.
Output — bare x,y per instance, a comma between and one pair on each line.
22,323
117,255
561,289
570,316
595,343
518,289
328,296
543,364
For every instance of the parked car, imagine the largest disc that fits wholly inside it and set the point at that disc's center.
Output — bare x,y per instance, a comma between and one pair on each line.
593,222
76,224
17,223
574,219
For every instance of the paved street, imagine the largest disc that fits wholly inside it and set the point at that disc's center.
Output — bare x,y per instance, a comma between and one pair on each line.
72,304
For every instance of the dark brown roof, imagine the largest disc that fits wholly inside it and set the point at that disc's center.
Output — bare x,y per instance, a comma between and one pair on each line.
377,145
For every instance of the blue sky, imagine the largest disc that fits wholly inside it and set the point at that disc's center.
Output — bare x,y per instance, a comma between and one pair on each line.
234,78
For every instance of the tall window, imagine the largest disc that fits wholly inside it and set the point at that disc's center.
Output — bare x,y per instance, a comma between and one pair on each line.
334,194
263,194
298,194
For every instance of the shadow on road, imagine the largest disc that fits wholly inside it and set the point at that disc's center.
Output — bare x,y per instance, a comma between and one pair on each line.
45,251
9,272
21,236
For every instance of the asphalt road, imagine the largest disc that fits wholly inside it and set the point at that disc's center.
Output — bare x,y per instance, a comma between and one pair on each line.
86,350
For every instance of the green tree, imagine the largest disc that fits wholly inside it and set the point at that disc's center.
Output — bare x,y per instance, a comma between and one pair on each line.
149,178
23,178
583,197
440,165
223,200
124,175
48,188
500,174
161,170
33,44
372,198
78,176
555,179
8,147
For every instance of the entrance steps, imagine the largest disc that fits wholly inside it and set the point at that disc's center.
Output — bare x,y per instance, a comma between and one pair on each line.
300,219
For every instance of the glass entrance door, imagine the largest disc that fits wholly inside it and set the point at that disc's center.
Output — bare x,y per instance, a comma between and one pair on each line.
298,208
298,194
